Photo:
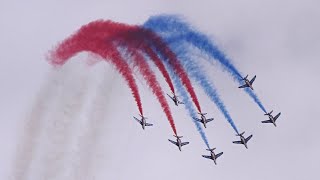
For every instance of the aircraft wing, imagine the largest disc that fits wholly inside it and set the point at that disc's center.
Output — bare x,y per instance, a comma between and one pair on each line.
219,154
184,143
139,121
211,119
252,79
243,86
180,102
237,142
148,124
248,138
209,157
170,97
199,120
267,121
276,117
173,142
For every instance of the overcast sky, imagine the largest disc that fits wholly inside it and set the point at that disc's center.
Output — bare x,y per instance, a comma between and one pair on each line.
76,122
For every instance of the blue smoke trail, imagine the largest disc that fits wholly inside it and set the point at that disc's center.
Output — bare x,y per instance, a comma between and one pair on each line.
175,29
186,100
196,72
188,104
255,98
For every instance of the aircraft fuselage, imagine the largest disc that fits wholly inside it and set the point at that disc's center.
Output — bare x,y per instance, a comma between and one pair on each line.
175,100
248,83
204,121
143,123
272,119
214,158
243,140
179,143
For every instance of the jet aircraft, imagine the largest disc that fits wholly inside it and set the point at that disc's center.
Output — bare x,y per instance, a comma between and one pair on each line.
247,82
178,142
143,121
213,156
271,118
243,140
203,119
175,99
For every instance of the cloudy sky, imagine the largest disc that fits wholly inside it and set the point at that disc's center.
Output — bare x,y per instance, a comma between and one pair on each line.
76,122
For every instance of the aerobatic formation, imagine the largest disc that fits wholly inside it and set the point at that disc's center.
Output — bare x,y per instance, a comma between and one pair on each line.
165,40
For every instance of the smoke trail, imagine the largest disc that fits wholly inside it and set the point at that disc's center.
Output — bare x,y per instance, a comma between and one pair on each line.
91,38
188,105
96,119
175,29
34,122
127,36
165,52
255,98
160,66
174,75
153,84
60,126
196,72
153,40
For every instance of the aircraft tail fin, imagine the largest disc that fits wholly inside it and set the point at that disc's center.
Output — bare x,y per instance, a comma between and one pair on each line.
202,113
211,149
178,136
142,116
240,134
269,113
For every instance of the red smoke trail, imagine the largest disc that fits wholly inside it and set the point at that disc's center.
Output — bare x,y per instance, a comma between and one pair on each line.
134,44
157,61
152,82
161,47
138,33
124,34
111,31
97,37
89,38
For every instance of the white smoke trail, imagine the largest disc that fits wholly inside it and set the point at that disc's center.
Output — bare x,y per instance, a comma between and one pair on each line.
33,123
61,124
90,133
65,125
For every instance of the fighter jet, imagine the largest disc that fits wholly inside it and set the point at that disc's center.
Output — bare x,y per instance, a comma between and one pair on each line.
247,82
243,140
178,142
213,156
175,99
203,119
271,118
143,121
